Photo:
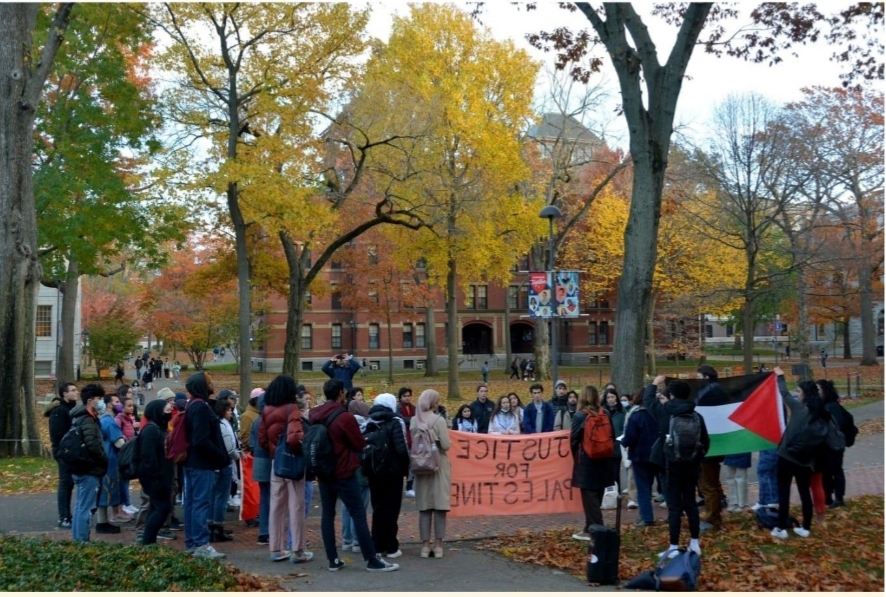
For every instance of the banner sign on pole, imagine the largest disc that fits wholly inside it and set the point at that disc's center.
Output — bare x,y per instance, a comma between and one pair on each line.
541,297
567,294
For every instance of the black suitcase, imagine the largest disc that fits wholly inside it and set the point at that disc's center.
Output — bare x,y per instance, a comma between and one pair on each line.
606,546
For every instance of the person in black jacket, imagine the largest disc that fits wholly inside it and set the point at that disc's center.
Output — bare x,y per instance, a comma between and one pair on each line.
709,480
834,479
682,477
155,471
89,483
590,475
206,455
386,488
59,414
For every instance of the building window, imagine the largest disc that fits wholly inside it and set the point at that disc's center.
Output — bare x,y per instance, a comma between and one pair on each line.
524,263
335,264
407,335
422,263
472,297
373,296
513,297
336,335
42,368
730,331
373,336
481,297
592,333
373,255
604,303
336,300
307,365
709,331
308,298
44,321
409,364
604,332
523,301
307,336
419,335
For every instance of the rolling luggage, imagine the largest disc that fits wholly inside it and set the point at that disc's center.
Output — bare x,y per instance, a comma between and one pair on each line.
604,550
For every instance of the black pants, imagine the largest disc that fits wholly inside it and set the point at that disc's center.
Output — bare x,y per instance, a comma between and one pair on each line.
65,491
159,509
514,373
680,497
785,473
590,503
349,492
386,497
834,480
615,466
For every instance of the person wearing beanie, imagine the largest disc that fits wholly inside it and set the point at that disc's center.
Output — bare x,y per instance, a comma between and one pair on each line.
559,401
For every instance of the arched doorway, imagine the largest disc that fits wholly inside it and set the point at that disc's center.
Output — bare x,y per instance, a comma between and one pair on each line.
522,337
476,338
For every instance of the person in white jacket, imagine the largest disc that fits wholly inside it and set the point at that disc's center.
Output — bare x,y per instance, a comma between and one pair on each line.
504,420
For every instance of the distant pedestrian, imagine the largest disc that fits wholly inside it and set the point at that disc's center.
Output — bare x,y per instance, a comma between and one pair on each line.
515,368
138,367
176,370
166,369
148,379
787,352
118,374
824,358
484,371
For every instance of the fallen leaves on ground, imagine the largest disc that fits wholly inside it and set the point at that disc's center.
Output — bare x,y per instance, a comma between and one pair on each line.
844,554
870,427
30,475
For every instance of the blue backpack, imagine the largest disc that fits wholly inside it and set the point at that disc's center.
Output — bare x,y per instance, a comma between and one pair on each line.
679,573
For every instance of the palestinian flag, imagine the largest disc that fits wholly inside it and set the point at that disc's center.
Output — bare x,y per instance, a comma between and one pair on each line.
745,414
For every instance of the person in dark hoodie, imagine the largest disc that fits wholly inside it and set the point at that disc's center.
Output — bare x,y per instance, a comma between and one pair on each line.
89,483
709,481
59,414
386,487
206,455
155,471
682,477
347,446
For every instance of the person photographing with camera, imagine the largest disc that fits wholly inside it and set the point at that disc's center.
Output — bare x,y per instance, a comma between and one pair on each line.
342,367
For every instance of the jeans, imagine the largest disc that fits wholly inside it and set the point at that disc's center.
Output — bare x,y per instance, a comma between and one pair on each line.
644,476
160,508
124,493
65,491
309,495
221,492
767,478
349,492
386,494
88,488
264,507
197,503
680,497
348,530
787,471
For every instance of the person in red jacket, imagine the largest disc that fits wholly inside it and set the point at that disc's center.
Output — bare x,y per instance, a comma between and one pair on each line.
347,446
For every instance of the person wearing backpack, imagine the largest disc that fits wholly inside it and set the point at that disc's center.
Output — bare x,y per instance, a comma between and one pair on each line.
155,471
834,479
281,413
431,488
709,481
89,479
680,456
59,414
138,367
386,432
797,451
591,472
346,442
641,431
360,410
206,454
148,378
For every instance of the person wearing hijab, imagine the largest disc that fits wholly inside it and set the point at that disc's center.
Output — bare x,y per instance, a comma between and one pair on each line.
155,471
386,487
432,491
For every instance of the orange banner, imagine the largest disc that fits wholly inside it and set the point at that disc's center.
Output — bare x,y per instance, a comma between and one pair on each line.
497,475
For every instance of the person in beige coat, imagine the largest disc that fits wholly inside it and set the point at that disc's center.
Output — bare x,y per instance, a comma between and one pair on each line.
432,491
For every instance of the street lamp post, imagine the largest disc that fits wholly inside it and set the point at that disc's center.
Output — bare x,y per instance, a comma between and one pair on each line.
353,325
550,212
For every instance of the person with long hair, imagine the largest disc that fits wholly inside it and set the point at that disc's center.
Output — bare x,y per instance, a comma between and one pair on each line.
432,491
641,431
155,471
517,407
590,475
504,420
287,495
612,404
833,478
464,420
804,411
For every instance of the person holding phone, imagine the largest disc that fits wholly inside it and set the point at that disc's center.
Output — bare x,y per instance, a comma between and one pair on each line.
342,367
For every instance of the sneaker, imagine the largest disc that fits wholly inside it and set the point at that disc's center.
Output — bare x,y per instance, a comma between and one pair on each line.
252,523
410,493
706,526
778,533
377,564
336,565
131,510
234,502
756,506
800,531
356,548
301,558
396,554
582,536
346,545
166,535
671,555
279,556
643,523
190,551
207,551
106,528
176,526
64,523
658,499
696,549
263,539
632,505
832,505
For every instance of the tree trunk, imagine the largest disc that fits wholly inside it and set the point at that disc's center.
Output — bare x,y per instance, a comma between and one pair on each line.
650,343
747,323
452,343
294,308
736,340
847,348
244,317
802,333
431,365
542,348
65,369
509,355
390,347
24,70
868,330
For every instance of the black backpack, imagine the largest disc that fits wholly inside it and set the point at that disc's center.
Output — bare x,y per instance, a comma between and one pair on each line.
127,459
317,448
138,363
683,443
72,450
378,457
810,440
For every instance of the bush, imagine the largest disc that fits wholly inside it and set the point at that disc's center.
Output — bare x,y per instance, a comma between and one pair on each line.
40,564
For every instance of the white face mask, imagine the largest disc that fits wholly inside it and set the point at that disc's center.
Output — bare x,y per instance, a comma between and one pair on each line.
505,408
100,406
625,404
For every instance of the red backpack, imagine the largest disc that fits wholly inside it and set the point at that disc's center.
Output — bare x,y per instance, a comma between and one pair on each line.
598,441
177,443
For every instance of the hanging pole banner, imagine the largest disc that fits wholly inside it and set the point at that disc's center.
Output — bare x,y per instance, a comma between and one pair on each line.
495,475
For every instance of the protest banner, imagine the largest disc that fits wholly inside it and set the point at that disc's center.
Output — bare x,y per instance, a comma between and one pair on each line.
495,475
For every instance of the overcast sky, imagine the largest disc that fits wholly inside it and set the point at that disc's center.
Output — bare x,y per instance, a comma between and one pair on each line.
709,79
